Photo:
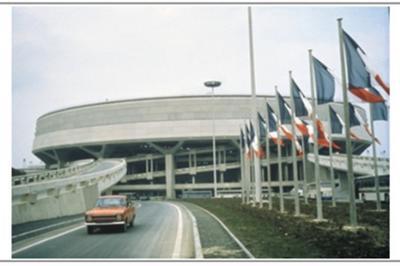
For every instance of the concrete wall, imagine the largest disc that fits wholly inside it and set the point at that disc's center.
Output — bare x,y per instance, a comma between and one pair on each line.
69,203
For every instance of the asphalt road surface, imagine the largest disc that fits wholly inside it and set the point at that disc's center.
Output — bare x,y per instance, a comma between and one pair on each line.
161,230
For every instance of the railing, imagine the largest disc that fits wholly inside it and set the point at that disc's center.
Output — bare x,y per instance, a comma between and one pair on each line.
53,174
181,171
104,178
361,164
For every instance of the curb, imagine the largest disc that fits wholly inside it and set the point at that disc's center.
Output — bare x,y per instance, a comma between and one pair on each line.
240,244
196,236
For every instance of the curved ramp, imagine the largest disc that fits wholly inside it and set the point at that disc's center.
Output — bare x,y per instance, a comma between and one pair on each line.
363,165
51,194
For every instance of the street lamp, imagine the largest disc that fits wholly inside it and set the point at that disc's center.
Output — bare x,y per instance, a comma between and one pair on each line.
213,84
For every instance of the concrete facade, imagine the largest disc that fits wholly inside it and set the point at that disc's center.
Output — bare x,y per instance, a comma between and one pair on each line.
166,141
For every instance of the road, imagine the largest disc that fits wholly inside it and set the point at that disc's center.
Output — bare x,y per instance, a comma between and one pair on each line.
162,230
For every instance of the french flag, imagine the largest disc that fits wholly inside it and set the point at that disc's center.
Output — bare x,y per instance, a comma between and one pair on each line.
360,75
255,143
248,150
289,135
272,124
322,137
302,106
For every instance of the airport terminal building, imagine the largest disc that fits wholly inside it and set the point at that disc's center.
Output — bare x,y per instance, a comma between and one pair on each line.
167,142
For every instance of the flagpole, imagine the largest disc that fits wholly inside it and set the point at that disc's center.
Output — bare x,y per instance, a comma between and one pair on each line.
242,167
294,156
377,190
268,161
278,113
315,133
332,173
257,167
350,174
305,188
247,169
252,181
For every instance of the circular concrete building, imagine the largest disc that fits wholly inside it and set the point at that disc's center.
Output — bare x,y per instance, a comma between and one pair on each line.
167,142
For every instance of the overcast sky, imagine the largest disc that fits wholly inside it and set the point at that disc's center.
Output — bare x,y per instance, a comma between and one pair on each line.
72,55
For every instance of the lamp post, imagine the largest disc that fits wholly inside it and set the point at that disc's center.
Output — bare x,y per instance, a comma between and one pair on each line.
212,85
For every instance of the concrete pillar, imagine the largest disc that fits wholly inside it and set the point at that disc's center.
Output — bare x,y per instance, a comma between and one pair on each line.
170,175
286,176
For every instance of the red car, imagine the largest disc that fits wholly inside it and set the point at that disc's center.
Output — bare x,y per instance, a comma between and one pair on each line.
115,210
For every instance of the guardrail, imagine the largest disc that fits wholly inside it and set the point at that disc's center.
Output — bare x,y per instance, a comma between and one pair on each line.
53,174
180,171
54,187
361,164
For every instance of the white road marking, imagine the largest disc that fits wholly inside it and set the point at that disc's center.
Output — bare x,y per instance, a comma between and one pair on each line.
47,227
47,239
196,236
179,234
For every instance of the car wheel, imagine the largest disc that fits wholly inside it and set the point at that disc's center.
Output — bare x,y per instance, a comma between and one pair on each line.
90,230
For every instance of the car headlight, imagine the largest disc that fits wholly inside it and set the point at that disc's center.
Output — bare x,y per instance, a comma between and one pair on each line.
89,218
119,217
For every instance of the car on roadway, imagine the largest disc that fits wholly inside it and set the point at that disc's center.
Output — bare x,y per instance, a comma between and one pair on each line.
111,210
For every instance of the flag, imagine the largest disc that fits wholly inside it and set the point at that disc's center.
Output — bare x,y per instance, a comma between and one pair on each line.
248,150
285,115
242,143
379,112
287,118
358,74
301,105
301,126
379,80
255,143
324,81
354,120
262,125
273,126
323,140
336,122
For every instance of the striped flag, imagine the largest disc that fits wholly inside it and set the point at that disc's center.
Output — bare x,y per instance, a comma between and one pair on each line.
302,107
262,125
248,150
379,112
255,143
242,142
301,104
287,118
354,120
323,139
336,122
273,126
359,74
324,82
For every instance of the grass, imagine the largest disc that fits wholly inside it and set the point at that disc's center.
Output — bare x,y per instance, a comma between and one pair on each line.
270,234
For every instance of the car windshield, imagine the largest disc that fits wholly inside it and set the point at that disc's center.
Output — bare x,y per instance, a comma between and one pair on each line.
110,202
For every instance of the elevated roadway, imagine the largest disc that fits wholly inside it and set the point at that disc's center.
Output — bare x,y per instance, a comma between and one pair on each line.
63,192
362,165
